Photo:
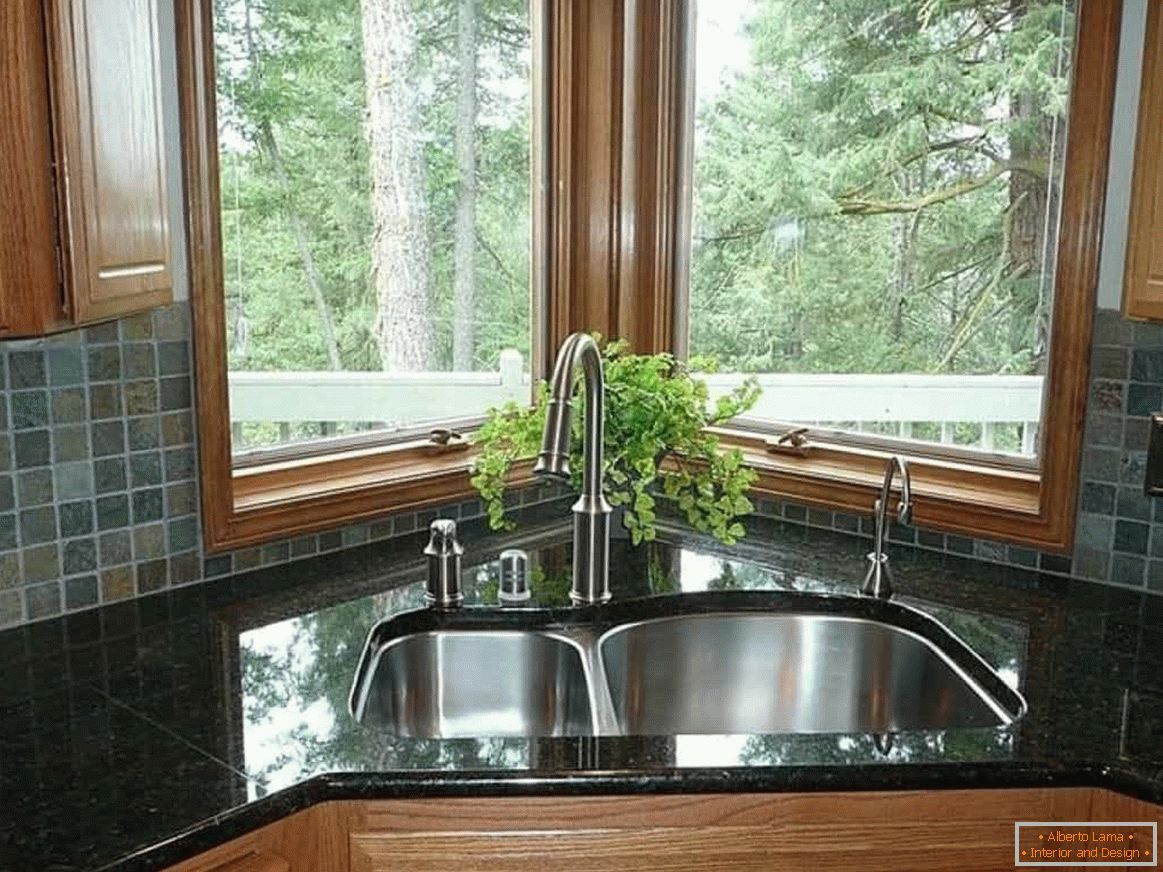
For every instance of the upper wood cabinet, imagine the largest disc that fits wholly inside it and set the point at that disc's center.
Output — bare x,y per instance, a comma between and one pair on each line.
111,148
30,294
1143,281
86,233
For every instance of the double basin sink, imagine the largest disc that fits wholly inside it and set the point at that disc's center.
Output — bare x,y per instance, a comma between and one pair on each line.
689,664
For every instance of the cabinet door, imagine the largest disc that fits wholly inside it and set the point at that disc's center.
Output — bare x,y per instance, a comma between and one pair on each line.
1143,283
906,831
313,840
112,174
249,862
29,284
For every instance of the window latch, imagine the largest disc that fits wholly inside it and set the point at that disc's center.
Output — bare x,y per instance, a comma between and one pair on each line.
442,440
794,442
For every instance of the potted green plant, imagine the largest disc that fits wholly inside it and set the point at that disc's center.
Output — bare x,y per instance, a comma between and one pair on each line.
657,442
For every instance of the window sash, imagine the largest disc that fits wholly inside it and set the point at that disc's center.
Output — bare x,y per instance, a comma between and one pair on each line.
610,252
975,492
577,180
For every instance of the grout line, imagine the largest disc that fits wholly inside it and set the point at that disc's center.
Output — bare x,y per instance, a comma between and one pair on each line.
173,735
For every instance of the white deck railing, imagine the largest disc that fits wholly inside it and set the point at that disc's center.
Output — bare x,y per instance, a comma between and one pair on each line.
362,400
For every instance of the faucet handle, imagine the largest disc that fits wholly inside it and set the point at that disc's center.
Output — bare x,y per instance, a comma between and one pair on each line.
444,553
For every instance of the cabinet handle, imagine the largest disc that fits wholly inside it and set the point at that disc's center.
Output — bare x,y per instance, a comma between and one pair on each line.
256,862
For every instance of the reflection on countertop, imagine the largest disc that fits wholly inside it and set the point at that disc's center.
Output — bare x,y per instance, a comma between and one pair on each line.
191,717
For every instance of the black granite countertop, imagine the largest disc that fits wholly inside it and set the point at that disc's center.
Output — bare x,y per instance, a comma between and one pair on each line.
137,735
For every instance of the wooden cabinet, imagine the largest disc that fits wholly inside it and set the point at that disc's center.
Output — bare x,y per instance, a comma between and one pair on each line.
314,840
85,235
1143,279
111,147
30,292
890,831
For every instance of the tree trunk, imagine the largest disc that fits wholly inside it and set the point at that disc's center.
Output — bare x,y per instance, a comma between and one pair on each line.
1028,193
399,200
464,291
1033,200
905,268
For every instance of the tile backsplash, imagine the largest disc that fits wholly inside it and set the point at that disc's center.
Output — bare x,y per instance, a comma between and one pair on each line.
98,473
98,498
99,491
1119,537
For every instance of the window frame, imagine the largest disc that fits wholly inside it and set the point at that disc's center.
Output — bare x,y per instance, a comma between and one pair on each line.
1033,503
577,262
613,98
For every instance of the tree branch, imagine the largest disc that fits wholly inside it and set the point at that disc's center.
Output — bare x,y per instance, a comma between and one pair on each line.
857,206
496,258
967,328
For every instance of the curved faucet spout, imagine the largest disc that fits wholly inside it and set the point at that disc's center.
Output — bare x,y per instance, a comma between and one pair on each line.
578,350
591,513
904,508
878,580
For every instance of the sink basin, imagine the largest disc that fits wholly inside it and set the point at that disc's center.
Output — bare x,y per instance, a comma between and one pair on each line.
451,683
788,662
770,673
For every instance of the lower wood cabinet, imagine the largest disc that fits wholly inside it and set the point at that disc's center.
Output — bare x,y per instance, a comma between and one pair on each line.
897,831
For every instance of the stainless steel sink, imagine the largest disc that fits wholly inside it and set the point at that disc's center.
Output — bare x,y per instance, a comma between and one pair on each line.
775,673
452,684
777,663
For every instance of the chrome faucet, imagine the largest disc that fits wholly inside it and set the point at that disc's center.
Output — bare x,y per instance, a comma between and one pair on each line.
878,579
591,513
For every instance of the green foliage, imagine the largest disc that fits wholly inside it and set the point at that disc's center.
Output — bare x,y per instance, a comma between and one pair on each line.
872,187
873,184
657,415
296,66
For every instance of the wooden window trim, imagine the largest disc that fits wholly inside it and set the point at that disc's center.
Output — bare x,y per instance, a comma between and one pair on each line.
612,258
1035,507
578,263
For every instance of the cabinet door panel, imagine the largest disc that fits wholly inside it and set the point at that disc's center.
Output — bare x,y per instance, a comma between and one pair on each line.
907,831
826,845
29,285
112,154
1143,282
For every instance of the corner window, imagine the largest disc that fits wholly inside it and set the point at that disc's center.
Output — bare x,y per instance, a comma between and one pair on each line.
367,246
892,218
374,173
876,200
888,213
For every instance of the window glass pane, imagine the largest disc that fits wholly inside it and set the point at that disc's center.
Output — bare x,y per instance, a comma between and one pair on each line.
375,169
876,197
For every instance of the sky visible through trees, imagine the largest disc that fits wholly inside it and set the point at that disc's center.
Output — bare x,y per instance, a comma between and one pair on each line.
876,183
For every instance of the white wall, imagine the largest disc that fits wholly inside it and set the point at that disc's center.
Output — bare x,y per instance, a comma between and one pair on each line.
1118,194
172,120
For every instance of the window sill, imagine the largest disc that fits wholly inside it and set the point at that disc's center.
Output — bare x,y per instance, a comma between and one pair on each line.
307,495
951,496
295,497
